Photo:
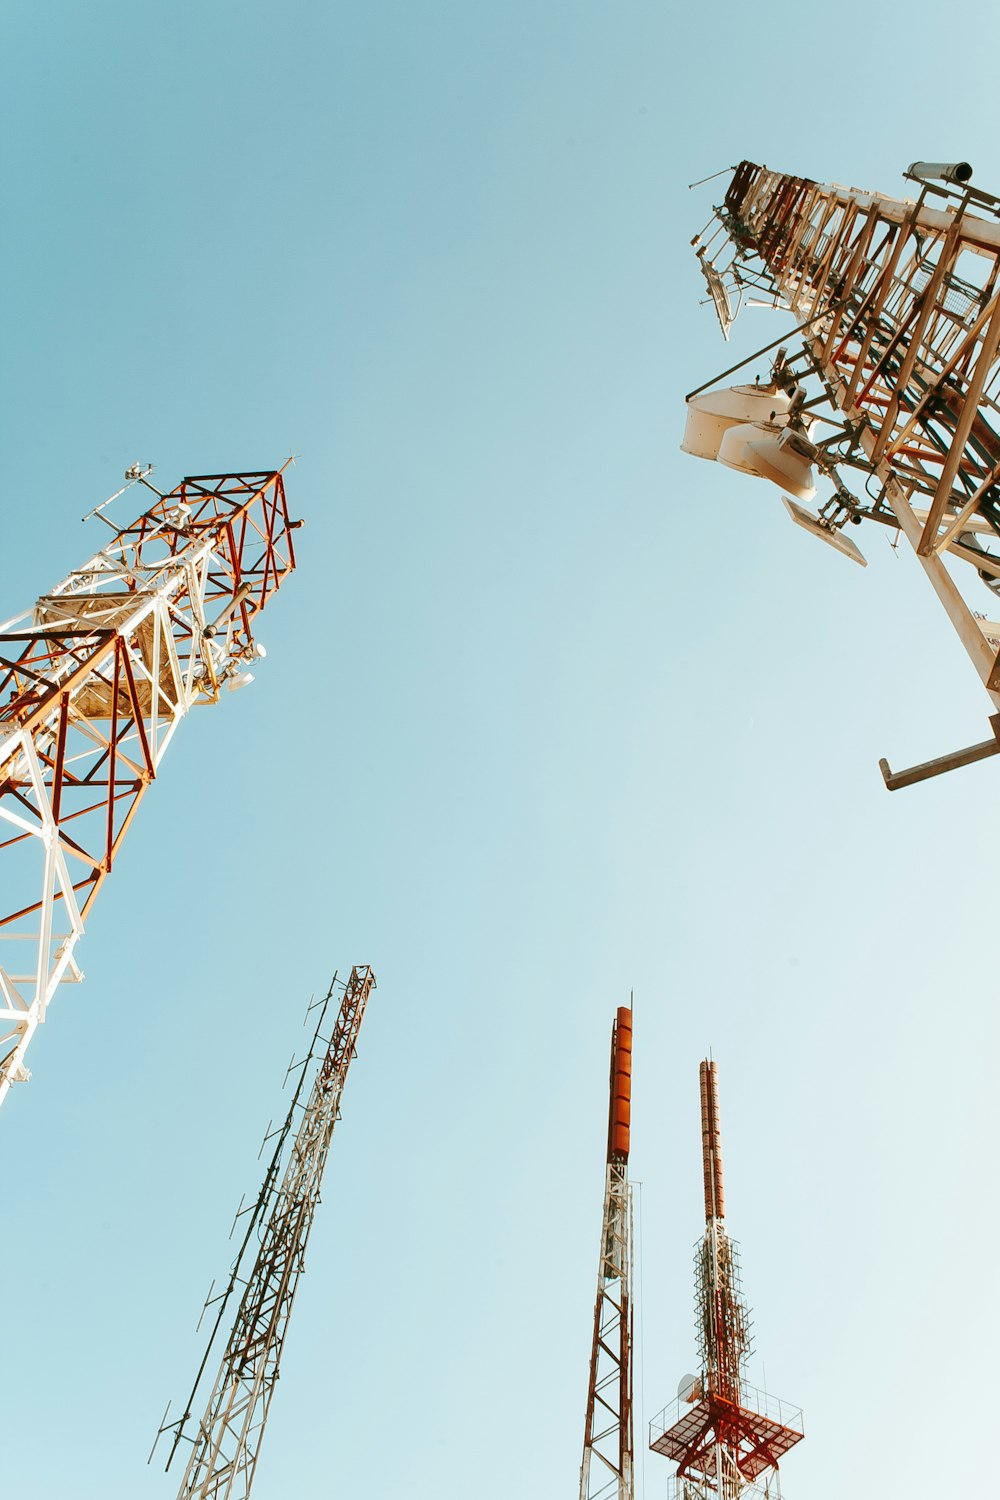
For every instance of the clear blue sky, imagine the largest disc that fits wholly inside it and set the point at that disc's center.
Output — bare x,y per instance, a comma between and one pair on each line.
549,712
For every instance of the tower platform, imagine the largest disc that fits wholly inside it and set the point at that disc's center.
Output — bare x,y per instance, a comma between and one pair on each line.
757,1432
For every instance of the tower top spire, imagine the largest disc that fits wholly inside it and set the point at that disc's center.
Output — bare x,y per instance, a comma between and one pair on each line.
620,1112
711,1141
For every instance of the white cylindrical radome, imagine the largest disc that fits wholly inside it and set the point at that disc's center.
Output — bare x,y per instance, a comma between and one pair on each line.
713,413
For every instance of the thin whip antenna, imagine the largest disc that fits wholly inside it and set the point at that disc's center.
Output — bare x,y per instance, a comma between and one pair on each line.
702,180
132,476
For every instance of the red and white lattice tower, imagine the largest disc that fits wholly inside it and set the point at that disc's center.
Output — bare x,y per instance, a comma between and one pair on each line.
93,683
607,1470
888,392
725,1437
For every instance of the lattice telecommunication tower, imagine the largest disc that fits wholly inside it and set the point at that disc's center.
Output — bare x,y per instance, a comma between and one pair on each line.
225,1447
93,683
891,393
725,1437
607,1470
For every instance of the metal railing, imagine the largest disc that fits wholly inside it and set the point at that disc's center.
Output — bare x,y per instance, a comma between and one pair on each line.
762,1403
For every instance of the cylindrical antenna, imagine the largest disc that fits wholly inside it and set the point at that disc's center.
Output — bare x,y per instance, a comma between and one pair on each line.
945,171
621,1086
711,1141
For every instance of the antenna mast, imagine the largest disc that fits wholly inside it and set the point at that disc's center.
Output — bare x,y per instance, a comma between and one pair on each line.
892,383
93,683
725,1437
608,1430
225,1450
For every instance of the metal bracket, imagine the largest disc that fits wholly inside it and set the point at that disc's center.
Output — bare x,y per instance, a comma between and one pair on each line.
953,762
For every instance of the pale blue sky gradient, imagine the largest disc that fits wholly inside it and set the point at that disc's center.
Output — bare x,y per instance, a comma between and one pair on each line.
549,711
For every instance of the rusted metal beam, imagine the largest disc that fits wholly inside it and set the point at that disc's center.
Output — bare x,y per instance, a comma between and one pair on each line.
896,780
977,382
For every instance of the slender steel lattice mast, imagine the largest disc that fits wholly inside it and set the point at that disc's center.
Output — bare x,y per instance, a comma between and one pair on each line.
725,1437
607,1468
93,683
226,1448
892,388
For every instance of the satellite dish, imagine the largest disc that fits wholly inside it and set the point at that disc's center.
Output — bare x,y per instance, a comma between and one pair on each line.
689,1388
832,537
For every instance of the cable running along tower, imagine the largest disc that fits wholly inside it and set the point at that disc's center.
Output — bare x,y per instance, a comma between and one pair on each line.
606,1472
889,386
725,1437
226,1447
93,683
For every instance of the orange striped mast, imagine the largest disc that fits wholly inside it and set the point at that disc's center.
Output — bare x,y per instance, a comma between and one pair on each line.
608,1437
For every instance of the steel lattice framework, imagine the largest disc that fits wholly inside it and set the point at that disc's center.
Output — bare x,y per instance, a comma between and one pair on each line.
607,1469
93,683
725,1437
225,1451
898,307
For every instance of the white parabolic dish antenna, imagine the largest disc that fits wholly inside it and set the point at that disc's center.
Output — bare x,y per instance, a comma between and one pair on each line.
688,1388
